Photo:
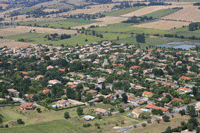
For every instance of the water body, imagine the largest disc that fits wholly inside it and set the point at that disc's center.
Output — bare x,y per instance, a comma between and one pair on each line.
180,45
184,47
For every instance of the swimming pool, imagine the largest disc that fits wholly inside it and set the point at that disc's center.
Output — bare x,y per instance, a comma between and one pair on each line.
53,106
146,110
88,116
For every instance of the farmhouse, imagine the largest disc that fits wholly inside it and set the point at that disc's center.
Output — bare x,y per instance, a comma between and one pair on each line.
101,111
147,94
15,92
28,106
136,112
45,91
94,92
152,106
62,103
183,89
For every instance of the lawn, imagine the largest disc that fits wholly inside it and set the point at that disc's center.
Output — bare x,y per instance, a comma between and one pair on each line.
25,10
122,11
161,127
162,13
59,24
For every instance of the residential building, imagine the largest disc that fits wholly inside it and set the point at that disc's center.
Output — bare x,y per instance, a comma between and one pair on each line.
101,111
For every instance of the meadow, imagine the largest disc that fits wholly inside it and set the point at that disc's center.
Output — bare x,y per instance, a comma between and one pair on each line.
162,13
53,121
155,127
122,11
59,24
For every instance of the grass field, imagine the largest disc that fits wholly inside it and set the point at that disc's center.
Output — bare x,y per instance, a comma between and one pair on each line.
25,10
38,38
56,126
162,13
122,11
59,24
161,127
53,121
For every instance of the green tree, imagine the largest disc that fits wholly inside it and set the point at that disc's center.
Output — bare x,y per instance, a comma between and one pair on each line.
66,115
38,110
166,118
79,111
124,98
19,121
140,38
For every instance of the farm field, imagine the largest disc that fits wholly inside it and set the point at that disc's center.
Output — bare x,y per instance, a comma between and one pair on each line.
104,22
73,41
12,43
188,13
122,11
91,9
162,13
25,29
163,25
161,127
146,10
59,24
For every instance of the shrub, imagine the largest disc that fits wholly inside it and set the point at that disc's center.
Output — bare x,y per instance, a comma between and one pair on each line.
144,124
121,110
158,120
38,110
134,126
116,124
166,118
96,124
99,116
149,121
66,115
122,121
19,121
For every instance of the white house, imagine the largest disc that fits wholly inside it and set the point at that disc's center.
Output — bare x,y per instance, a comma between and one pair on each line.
62,103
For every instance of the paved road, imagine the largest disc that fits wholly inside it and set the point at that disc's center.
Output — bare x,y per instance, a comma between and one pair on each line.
176,111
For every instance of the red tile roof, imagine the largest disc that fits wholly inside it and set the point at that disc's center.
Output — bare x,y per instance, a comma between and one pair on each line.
152,106
174,99
134,67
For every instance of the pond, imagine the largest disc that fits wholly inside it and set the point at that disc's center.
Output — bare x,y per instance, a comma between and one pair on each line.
184,47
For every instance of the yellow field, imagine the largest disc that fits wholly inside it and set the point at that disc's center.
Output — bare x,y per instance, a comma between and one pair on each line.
50,10
188,13
163,25
12,43
92,9
24,29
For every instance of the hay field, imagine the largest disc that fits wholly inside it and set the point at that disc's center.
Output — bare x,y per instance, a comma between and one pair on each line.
50,10
188,13
163,25
146,10
24,29
104,22
92,9
12,43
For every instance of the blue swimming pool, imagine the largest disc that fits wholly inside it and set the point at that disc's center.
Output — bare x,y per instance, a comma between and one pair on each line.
53,106
88,116
146,110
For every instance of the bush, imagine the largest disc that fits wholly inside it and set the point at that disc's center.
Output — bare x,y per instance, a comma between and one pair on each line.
144,124
96,124
98,116
19,121
38,110
66,115
149,121
122,121
158,120
166,118
121,110
116,124
134,126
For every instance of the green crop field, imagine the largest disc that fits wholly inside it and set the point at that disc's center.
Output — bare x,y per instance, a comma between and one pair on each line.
59,24
122,11
162,13
56,126
25,10
38,38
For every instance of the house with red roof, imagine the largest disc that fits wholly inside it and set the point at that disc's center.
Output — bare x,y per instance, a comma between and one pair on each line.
183,89
147,94
28,106
134,67
45,91
152,106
